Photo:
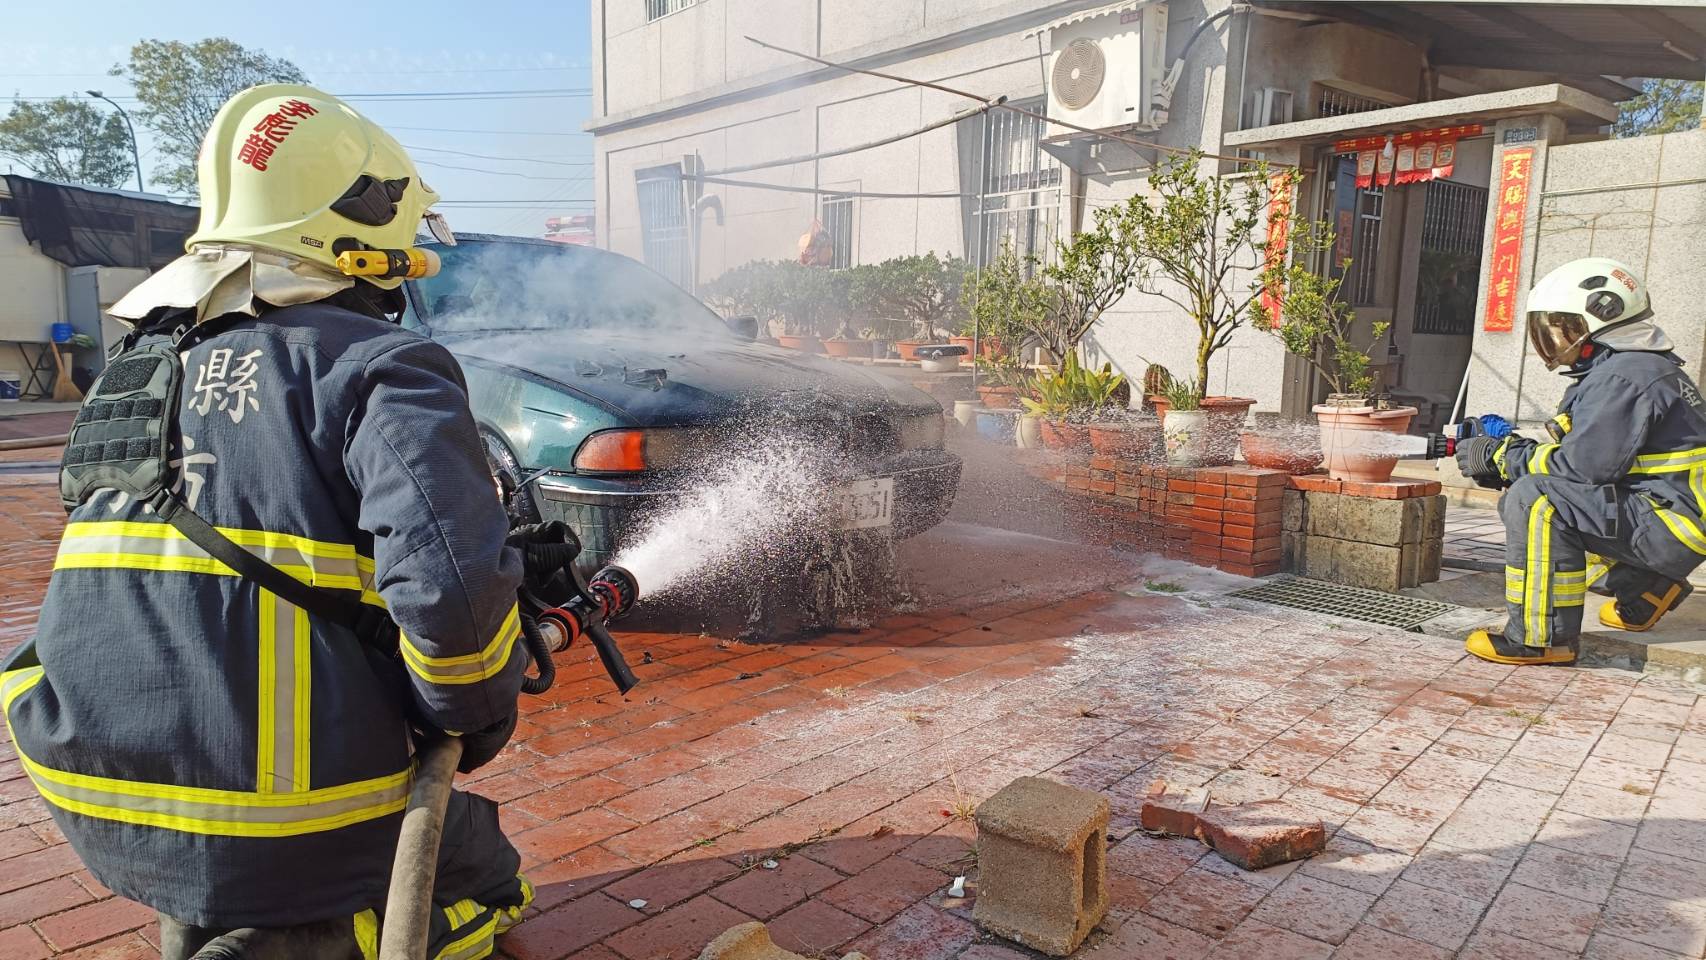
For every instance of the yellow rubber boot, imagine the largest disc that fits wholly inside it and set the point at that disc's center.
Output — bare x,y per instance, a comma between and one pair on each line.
1609,616
1496,649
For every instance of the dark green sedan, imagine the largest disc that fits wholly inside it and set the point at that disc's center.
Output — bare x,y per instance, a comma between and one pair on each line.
602,390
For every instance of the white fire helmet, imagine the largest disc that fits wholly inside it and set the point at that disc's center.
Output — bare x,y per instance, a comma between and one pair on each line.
1578,301
292,169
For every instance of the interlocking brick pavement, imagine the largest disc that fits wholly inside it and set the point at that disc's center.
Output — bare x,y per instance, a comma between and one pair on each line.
1477,811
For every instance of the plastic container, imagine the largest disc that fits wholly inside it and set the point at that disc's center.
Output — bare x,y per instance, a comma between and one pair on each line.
11,385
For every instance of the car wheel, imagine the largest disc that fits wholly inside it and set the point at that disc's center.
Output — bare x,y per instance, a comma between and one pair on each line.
506,477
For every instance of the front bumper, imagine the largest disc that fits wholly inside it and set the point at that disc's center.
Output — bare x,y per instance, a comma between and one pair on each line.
604,510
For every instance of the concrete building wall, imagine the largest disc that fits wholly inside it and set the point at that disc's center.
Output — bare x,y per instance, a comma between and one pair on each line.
1637,200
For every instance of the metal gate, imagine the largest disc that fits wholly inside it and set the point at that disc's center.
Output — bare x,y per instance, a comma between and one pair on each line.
664,235
1453,221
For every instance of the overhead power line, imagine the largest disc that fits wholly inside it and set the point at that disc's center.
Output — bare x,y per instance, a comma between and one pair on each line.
548,93
514,133
500,173
488,156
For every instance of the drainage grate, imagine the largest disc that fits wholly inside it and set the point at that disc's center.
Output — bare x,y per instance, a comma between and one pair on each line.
1355,603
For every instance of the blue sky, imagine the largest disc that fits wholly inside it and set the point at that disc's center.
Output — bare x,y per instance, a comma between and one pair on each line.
53,48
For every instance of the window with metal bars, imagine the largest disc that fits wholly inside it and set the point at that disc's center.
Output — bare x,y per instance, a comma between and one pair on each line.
1356,216
658,9
1454,218
664,236
836,215
1020,204
1333,102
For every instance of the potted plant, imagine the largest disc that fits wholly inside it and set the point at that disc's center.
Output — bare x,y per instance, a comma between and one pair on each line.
1155,380
812,302
999,379
1307,314
1185,431
1070,399
921,289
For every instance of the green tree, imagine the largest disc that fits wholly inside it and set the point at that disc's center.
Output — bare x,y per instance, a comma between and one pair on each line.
72,141
182,85
1191,236
1664,106
1314,322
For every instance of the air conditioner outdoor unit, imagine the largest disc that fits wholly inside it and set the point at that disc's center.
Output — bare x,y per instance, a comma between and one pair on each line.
1107,69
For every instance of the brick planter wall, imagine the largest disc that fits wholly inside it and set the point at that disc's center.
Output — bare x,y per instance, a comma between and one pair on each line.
1223,517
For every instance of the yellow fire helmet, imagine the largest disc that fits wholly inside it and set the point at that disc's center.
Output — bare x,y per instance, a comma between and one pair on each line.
295,170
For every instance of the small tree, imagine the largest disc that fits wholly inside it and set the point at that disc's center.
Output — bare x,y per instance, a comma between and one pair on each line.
1003,301
68,140
1189,237
1313,321
921,288
182,85
1091,272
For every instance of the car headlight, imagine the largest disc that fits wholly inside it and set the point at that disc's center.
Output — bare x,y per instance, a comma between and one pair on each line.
925,432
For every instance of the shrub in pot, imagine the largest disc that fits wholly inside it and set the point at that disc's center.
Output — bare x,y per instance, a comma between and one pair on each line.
999,381
1308,316
1070,399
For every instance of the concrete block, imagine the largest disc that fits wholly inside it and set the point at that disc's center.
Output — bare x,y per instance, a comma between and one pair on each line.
1366,519
1433,557
1371,565
751,941
1293,516
1291,552
1321,514
1409,564
1318,557
1433,517
1261,834
1042,864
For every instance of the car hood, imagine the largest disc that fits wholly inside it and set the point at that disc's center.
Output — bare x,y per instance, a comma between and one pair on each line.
679,379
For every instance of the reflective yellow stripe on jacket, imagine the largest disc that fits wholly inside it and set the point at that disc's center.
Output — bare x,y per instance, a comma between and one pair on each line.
470,667
232,813
142,545
1676,461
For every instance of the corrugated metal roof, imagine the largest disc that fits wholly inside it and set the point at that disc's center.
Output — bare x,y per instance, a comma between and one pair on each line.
1097,11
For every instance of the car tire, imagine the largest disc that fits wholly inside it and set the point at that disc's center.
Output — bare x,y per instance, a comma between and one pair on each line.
507,476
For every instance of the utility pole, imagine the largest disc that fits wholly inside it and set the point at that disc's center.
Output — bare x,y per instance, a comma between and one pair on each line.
135,154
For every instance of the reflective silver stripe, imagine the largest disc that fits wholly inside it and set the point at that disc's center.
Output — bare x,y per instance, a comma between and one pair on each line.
159,546
1673,462
1685,530
477,943
467,668
282,723
360,806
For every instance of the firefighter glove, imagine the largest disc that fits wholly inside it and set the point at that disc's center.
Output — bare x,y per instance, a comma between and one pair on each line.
547,549
1475,460
482,746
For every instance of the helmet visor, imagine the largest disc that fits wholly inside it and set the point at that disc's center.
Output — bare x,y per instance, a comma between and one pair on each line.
439,228
1557,337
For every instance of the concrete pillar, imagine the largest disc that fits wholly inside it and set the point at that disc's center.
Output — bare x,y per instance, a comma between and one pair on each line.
1042,864
1496,368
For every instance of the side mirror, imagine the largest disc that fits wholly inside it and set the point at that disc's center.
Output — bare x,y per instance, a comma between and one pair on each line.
745,327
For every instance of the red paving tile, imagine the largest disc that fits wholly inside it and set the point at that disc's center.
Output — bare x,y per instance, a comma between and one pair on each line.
1465,826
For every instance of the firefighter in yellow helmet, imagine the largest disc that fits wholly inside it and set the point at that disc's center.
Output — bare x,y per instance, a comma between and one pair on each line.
231,745
1614,502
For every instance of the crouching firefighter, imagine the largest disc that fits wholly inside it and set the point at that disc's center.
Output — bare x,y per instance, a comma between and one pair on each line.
1613,502
283,553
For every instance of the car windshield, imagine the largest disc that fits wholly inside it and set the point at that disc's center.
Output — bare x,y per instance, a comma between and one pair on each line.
491,286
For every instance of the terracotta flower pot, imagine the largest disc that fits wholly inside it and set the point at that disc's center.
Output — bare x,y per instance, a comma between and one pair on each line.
992,348
804,344
1226,417
1357,441
1061,435
844,347
1130,441
1159,404
970,343
1281,453
999,398
908,349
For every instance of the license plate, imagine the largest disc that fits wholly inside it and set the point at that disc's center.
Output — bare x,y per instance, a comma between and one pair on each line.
865,503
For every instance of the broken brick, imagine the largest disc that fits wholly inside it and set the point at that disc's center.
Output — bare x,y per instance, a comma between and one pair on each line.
751,941
1172,811
1261,834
